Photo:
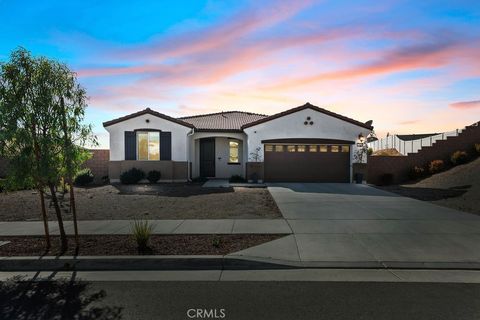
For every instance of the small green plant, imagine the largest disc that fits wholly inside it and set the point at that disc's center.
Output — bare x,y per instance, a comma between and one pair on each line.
459,157
132,176
153,176
477,147
416,173
236,178
216,241
141,231
436,166
369,151
84,177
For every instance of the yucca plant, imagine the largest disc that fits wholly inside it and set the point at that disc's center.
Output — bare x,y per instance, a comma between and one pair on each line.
141,231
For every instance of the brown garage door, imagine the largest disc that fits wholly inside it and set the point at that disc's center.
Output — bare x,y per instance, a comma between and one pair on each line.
307,163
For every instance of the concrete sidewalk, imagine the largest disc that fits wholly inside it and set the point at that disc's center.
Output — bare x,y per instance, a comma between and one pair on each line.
220,226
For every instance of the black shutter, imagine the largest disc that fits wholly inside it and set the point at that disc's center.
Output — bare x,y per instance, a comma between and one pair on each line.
165,145
130,145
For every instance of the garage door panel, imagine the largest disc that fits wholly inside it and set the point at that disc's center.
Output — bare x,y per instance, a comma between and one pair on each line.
307,166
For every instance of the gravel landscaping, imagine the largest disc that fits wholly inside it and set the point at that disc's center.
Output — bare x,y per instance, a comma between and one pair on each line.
457,188
161,201
111,245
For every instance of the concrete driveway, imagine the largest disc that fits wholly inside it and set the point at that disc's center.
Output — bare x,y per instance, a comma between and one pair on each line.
350,224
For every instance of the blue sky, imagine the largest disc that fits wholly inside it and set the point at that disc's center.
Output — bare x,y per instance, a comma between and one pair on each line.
411,66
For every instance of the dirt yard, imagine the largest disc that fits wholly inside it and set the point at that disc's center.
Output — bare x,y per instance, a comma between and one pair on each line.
94,245
161,201
457,188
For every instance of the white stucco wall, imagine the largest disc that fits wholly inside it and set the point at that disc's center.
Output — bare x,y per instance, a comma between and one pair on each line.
292,126
117,135
222,168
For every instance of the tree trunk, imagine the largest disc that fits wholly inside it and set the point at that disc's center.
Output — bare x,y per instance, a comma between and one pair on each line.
63,236
74,214
44,216
68,166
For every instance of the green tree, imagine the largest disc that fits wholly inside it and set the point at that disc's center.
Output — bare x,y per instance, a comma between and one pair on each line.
42,108
20,132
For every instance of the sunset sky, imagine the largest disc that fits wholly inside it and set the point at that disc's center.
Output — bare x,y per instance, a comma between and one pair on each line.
410,66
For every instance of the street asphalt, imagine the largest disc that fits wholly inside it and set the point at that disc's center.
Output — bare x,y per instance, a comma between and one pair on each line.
239,300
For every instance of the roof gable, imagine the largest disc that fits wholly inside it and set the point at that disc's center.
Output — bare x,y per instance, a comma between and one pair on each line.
147,111
309,106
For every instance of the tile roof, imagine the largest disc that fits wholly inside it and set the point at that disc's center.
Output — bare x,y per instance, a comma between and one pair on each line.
222,121
232,121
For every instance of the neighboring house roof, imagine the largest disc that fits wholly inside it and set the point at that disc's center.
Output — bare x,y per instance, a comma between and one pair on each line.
309,106
222,121
410,137
147,111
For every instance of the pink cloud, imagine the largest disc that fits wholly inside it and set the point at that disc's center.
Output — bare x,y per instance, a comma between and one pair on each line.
414,57
466,105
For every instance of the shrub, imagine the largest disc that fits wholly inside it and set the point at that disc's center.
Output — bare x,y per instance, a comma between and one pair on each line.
141,232
386,179
436,166
236,178
369,151
216,242
83,177
153,176
132,176
477,147
416,173
459,157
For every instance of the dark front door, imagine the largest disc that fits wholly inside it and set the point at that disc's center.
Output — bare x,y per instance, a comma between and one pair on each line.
207,157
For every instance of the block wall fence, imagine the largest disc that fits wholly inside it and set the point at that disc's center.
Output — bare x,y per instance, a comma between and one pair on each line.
399,167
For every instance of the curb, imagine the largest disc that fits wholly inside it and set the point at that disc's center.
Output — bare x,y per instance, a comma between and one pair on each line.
123,263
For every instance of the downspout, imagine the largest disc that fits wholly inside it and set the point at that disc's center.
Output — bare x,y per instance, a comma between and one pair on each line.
188,153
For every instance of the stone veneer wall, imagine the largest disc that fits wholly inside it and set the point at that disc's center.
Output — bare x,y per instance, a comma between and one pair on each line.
255,168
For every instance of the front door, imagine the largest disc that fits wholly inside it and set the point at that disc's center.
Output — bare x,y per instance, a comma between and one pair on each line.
207,157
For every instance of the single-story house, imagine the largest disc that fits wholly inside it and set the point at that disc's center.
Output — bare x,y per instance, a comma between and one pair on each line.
305,144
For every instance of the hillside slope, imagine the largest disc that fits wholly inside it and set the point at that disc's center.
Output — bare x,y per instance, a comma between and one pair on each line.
460,178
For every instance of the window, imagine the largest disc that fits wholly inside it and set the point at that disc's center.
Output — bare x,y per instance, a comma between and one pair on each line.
312,148
278,148
300,148
268,148
291,148
148,145
233,156
323,149
335,148
345,148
